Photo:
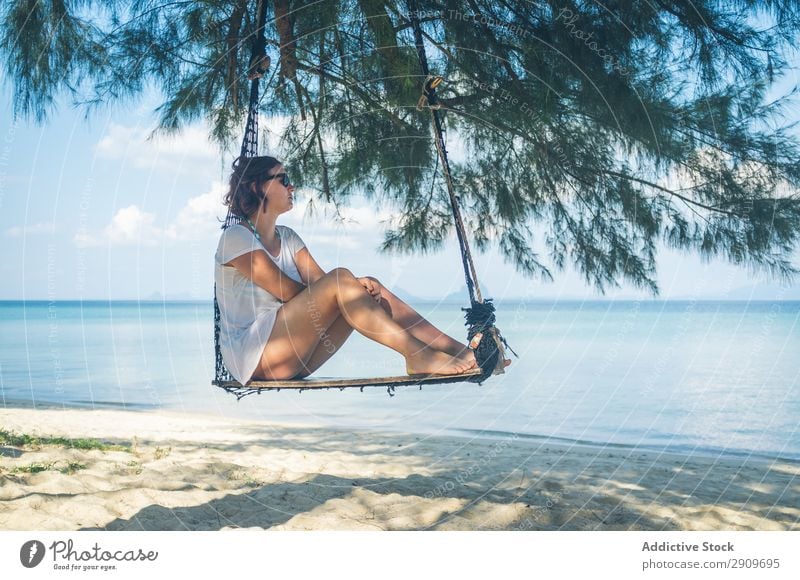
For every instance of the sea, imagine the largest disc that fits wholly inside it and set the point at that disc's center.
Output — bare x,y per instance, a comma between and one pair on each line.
694,377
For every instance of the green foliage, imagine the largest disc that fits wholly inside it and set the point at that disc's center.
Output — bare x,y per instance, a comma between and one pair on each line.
162,452
33,468
592,129
24,440
71,467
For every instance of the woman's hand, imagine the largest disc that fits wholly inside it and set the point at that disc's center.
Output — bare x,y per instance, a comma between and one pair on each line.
375,290
372,286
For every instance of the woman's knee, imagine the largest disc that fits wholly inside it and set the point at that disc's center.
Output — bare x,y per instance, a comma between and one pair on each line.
339,282
340,276
332,281
340,273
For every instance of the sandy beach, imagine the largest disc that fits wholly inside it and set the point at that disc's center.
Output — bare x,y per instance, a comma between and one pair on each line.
172,471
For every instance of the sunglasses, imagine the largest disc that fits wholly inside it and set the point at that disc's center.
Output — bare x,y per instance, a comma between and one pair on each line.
284,178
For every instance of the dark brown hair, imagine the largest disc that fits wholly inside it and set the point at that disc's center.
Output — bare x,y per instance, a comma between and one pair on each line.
248,171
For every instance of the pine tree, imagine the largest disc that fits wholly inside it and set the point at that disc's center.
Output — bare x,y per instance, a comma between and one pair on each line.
592,130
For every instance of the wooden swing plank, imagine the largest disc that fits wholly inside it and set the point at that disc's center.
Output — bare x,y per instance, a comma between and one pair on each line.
338,383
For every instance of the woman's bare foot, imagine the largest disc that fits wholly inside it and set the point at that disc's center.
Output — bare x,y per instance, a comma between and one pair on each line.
431,361
463,353
468,356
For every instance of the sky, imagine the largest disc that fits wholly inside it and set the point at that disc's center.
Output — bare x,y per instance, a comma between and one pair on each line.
91,209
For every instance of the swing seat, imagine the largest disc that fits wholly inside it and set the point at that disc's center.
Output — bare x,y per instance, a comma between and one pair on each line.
342,383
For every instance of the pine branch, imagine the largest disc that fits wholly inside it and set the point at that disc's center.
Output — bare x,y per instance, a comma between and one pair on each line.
672,193
232,42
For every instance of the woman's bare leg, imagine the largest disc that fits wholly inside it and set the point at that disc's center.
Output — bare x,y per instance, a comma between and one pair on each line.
417,325
339,331
422,329
301,321
335,336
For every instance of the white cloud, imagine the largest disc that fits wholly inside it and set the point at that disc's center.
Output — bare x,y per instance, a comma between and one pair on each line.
131,225
131,144
350,230
30,230
198,219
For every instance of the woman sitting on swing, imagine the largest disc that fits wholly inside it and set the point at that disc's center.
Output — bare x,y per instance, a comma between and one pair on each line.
282,316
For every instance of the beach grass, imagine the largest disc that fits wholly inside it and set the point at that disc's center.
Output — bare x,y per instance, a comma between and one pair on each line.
30,441
68,468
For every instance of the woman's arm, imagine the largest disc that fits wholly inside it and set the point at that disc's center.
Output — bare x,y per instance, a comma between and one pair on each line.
257,266
307,266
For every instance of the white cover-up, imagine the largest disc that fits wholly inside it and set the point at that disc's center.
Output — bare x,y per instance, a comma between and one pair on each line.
248,311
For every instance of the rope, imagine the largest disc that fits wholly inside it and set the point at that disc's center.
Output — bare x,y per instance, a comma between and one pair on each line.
429,99
480,316
259,63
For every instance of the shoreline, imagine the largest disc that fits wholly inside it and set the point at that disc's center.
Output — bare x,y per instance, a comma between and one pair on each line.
487,434
198,472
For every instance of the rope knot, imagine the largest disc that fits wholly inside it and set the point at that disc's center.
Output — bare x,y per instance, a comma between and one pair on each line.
428,98
483,337
259,65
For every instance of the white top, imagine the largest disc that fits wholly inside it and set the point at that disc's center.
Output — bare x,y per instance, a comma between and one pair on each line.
248,311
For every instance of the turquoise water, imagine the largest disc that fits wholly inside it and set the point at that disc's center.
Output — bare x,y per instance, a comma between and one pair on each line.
707,377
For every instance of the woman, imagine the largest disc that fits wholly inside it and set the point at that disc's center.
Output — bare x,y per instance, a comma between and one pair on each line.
282,316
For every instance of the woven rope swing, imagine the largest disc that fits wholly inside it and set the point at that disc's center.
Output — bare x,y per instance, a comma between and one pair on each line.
480,318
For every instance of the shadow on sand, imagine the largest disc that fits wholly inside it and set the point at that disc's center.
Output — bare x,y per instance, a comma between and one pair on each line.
460,483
